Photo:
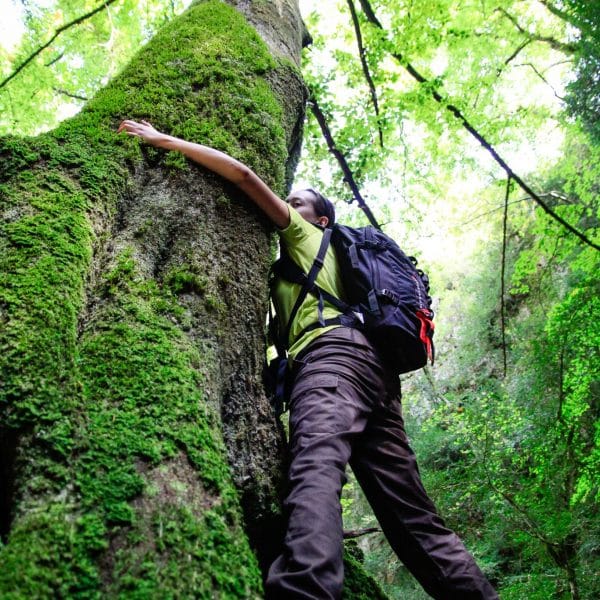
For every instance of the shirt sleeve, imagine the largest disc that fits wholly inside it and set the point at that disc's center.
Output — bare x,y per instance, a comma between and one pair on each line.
301,240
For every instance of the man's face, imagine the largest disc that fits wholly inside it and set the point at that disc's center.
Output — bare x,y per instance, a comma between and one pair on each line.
303,202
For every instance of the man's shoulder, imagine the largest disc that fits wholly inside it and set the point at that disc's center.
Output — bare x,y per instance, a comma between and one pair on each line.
299,230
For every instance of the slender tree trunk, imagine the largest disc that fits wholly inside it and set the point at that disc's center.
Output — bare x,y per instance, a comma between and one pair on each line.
573,585
132,314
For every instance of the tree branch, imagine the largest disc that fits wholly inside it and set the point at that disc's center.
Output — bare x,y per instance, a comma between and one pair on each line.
69,94
492,210
366,6
500,69
478,136
517,51
554,43
60,30
503,275
354,533
348,176
365,67
54,60
533,68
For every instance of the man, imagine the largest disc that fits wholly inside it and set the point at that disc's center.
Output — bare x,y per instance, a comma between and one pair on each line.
344,408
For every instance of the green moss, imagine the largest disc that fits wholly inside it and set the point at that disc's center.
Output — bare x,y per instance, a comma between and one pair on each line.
224,281
358,584
144,403
15,154
121,274
141,405
215,304
207,544
183,281
223,201
44,255
142,389
58,531
204,88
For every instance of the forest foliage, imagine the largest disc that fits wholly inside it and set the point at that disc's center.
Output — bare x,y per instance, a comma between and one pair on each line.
506,423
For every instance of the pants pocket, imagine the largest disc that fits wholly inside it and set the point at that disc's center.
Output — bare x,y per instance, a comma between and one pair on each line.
314,406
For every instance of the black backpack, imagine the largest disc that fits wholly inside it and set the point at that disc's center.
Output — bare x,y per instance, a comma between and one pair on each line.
383,284
385,295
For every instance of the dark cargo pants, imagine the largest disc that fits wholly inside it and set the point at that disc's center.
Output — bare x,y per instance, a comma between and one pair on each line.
345,408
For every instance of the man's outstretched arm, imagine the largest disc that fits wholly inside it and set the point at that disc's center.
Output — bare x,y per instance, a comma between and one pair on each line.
220,163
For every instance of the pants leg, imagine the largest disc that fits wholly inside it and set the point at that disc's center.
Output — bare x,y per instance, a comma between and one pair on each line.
386,469
329,406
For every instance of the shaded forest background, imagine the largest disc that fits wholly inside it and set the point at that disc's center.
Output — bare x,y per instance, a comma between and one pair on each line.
506,423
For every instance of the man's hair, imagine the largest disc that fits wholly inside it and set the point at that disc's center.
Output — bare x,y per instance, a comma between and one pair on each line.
323,206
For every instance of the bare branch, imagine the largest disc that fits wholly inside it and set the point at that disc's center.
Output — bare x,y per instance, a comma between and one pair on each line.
54,60
533,68
60,30
365,67
348,176
366,6
503,276
70,95
553,43
517,51
514,55
558,63
354,533
491,211
479,137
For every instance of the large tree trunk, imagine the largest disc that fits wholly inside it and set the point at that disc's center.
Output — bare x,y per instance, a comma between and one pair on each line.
132,317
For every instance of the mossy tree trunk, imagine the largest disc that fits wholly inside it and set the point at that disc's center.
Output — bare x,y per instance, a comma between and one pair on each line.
134,425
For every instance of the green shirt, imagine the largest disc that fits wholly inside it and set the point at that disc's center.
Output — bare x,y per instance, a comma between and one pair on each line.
302,240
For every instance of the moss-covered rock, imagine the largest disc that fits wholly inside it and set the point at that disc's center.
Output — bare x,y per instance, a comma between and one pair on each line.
358,584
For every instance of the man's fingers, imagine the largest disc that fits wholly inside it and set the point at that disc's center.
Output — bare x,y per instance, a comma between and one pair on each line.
134,128
128,125
124,125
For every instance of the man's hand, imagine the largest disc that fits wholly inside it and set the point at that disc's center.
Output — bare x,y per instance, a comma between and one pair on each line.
143,130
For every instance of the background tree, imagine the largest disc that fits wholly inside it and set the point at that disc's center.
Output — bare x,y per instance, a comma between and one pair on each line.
505,442
68,50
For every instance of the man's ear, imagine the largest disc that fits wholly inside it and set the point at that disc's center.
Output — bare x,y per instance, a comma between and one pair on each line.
323,221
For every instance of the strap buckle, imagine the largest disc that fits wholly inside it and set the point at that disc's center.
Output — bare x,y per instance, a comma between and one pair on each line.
389,295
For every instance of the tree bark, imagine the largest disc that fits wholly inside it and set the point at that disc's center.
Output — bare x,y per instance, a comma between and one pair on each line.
136,438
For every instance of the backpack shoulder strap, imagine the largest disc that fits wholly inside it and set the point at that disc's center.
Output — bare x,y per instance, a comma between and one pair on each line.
308,283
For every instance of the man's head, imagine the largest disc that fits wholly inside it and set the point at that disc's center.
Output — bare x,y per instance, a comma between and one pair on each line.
313,207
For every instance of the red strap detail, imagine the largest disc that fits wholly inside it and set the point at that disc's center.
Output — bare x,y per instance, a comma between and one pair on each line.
427,327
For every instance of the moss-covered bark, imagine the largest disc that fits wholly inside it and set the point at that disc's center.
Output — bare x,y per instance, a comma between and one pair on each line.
132,303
